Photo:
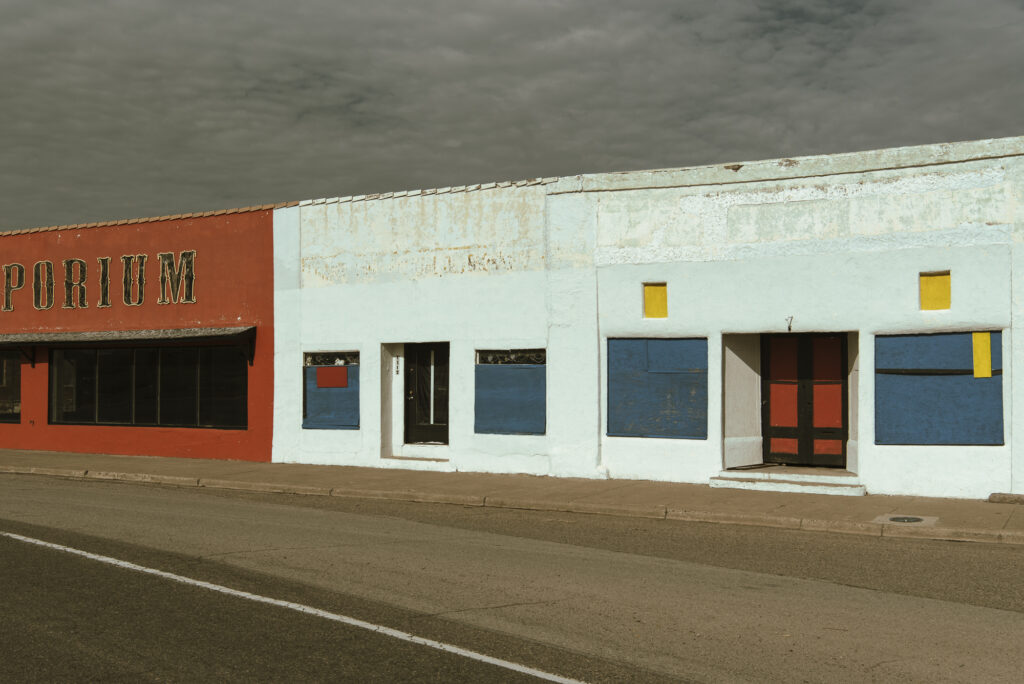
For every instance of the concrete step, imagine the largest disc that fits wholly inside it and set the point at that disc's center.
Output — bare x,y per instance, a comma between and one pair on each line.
793,474
835,487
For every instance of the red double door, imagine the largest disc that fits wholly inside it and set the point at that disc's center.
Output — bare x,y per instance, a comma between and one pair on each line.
804,399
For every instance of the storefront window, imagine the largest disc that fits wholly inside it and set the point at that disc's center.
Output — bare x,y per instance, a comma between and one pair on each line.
171,386
331,390
10,386
510,395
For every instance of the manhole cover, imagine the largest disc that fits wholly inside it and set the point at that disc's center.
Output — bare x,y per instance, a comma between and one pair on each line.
905,519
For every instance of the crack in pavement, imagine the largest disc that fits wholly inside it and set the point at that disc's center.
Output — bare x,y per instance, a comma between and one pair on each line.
479,608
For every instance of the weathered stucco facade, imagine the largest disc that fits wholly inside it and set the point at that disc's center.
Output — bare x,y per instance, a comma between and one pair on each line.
842,323
833,250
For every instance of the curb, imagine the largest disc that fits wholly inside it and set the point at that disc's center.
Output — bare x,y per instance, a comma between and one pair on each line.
52,472
868,529
942,533
264,487
652,511
734,518
409,495
175,480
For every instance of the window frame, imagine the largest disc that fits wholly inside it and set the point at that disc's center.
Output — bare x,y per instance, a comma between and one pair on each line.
11,382
315,360
627,386
927,392
524,369
55,380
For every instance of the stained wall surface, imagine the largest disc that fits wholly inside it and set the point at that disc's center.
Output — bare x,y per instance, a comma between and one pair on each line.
831,244
233,287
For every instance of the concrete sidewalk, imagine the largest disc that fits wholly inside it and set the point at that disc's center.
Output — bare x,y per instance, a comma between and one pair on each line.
952,519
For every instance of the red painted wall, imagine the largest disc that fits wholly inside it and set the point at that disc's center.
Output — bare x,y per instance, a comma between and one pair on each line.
234,286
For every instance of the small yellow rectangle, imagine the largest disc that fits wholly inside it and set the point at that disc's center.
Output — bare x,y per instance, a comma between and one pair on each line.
655,300
935,291
982,354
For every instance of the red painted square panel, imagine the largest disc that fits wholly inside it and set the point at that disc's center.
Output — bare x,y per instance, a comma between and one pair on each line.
784,445
332,376
828,446
828,405
782,407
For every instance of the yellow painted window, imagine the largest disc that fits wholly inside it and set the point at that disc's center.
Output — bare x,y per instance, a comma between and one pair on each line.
935,291
655,300
982,354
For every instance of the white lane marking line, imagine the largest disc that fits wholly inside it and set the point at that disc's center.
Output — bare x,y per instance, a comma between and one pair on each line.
309,610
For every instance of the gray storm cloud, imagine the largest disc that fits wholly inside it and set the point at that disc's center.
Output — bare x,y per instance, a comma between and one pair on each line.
124,109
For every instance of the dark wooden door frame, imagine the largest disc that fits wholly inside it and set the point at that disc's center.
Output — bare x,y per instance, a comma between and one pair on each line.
805,432
416,430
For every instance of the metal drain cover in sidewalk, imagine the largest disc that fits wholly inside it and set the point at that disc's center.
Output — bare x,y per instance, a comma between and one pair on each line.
922,520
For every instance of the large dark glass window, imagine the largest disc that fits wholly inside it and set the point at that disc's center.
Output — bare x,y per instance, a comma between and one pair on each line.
147,385
113,385
222,375
74,389
179,385
10,386
172,386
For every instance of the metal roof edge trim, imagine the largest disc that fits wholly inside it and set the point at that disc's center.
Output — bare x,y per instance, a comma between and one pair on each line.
813,166
451,189
149,219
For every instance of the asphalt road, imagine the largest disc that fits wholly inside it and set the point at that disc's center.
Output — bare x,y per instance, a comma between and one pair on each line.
589,597
72,619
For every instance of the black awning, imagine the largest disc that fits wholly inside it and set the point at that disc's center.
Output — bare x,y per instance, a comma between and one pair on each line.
182,334
241,334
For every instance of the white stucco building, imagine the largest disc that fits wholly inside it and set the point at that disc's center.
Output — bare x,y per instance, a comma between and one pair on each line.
850,314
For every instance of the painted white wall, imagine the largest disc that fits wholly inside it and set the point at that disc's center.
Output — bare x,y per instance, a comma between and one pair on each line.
468,268
832,243
840,254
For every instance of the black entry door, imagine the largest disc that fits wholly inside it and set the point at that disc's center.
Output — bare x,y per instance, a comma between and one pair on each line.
426,393
804,415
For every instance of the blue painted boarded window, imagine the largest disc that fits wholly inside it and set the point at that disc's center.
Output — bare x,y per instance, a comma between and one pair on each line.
926,391
511,392
331,391
658,388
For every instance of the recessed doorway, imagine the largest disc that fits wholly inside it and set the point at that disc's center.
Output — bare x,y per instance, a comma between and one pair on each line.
805,402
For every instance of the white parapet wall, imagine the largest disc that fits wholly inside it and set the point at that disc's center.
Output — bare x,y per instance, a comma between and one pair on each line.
830,245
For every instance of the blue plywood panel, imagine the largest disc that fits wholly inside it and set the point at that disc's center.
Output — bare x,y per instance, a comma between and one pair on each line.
331,408
917,407
630,354
946,351
666,397
674,356
510,399
938,409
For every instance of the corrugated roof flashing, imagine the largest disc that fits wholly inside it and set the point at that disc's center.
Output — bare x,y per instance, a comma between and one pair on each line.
151,219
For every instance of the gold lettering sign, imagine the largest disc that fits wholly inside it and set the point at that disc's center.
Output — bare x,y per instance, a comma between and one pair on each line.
177,281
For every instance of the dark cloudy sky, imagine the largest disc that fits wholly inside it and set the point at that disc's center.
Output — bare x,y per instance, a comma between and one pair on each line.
125,108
